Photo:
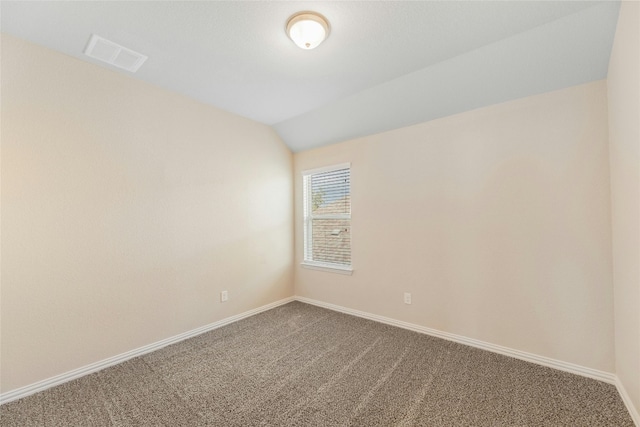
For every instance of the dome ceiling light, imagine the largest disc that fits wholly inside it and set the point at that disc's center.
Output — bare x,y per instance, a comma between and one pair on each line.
307,29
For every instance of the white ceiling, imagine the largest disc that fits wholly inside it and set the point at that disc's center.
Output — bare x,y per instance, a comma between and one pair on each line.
384,66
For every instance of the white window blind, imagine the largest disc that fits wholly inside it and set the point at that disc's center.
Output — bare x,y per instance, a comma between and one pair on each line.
327,217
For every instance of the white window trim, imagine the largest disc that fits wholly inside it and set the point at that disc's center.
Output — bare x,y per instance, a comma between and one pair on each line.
332,268
315,265
326,169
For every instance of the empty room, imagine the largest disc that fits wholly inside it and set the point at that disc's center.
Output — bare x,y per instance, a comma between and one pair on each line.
320,213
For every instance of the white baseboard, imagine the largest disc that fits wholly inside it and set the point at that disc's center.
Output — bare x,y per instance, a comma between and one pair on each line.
97,366
522,355
633,411
606,377
529,357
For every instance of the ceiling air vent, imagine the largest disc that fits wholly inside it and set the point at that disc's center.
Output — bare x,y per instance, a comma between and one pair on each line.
113,54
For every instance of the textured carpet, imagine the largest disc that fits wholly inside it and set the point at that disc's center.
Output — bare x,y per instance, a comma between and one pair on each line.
300,365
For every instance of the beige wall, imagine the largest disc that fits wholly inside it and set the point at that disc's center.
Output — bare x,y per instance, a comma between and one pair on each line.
126,209
624,138
496,220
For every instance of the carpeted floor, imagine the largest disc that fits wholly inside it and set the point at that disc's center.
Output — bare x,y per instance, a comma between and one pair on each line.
300,365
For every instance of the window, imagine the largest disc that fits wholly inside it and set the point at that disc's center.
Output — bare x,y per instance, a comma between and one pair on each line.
327,218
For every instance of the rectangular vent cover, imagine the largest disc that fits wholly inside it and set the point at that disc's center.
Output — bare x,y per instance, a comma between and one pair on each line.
113,54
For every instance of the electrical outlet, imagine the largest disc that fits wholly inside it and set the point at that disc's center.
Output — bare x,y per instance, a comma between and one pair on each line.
224,296
407,298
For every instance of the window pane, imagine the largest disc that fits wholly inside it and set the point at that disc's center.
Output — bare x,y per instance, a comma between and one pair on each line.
330,192
331,241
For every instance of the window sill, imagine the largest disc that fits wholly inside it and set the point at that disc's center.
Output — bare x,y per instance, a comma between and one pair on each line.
328,267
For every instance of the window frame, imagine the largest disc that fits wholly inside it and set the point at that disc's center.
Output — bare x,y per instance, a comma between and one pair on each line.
307,222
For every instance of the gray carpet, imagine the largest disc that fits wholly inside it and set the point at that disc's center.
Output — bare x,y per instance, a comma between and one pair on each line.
300,365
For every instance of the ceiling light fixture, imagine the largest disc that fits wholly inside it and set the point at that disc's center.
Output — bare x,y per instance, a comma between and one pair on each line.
307,29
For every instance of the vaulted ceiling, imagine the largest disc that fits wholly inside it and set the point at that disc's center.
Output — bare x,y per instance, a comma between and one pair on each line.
385,64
